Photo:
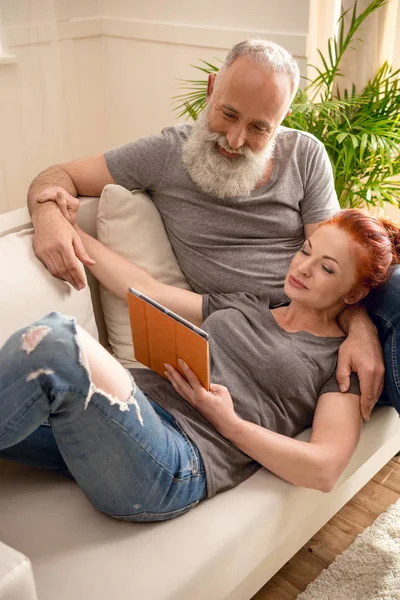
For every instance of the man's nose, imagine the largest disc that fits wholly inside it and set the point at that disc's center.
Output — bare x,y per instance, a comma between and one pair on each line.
236,136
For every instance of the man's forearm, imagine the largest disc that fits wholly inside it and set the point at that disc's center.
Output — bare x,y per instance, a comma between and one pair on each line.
53,177
355,318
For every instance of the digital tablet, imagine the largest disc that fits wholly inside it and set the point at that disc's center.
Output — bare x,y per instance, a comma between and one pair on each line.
161,336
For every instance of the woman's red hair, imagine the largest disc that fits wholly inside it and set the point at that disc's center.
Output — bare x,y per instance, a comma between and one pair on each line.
377,244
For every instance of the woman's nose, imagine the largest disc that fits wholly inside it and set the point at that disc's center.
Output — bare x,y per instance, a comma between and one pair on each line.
306,267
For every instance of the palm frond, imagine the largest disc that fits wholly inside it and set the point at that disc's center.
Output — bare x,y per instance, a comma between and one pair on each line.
360,129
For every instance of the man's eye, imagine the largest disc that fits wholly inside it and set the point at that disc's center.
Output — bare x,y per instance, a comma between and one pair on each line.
229,115
259,129
304,251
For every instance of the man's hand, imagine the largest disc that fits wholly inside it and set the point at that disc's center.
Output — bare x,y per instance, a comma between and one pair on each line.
68,205
361,352
215,405
56,241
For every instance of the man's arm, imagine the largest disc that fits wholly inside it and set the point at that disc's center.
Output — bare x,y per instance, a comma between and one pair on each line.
309,229
55,242
83,177
361,352
117,273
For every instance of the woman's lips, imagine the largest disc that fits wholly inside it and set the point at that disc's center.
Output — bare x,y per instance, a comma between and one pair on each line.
296,283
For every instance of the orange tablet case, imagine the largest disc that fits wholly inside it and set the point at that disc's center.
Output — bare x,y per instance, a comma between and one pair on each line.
158,338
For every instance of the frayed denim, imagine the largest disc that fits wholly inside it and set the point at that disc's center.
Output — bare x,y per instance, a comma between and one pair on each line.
130,457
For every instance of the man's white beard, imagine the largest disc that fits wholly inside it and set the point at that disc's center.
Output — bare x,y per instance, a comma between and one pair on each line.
219,175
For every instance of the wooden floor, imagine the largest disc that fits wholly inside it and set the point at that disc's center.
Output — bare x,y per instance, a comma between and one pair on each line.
336,536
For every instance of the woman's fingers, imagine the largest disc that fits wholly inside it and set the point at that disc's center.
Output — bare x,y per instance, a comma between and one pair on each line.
62,205
179,383
67,204
190,388
190,375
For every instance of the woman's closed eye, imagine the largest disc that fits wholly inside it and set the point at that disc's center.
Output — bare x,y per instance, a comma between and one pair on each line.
306,252
328,270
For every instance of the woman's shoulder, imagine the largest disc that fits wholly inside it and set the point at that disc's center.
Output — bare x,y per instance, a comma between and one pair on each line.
244,302
233,299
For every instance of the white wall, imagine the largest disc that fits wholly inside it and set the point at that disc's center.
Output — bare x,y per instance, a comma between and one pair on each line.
52,105
92,74
149,45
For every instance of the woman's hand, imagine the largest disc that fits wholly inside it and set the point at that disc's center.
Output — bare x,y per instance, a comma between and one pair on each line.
67,204
215,405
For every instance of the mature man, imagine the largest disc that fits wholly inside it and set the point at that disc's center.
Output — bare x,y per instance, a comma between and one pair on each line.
237,193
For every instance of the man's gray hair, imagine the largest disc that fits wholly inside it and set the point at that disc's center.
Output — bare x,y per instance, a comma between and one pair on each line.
269,55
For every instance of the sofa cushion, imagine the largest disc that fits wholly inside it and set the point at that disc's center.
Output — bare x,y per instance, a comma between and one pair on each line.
129,223
29,291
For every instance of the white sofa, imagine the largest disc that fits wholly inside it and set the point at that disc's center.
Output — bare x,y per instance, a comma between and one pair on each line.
226,548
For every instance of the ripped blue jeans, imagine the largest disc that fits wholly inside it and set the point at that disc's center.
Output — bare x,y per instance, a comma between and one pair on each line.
130,458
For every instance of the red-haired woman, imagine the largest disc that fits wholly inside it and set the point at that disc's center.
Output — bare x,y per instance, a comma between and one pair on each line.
151,448
377,244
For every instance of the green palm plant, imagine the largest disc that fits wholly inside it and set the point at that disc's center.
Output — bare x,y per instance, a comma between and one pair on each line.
358,128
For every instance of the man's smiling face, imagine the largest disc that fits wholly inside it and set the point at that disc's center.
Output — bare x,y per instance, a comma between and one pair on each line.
231,143
248,104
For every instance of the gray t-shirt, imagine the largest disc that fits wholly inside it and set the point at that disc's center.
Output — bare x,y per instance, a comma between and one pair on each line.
228,245
274,378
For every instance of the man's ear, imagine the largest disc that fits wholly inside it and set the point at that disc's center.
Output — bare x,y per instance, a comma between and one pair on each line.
289,112
356,295
210,86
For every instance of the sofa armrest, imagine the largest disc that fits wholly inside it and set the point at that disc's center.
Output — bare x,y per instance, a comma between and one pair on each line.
16,577
19,219
14,221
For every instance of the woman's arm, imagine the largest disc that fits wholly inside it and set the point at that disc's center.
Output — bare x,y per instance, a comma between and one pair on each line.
117,274
315,464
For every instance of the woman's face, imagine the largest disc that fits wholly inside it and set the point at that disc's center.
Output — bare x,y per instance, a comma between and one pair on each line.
323,273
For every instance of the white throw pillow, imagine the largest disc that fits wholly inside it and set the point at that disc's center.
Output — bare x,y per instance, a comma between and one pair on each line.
28,291
129,223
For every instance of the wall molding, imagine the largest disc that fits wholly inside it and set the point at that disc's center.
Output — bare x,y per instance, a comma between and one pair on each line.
196,35
7,59
153,31
45,33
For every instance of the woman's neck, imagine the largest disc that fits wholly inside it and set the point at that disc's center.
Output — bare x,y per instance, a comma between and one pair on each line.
296,317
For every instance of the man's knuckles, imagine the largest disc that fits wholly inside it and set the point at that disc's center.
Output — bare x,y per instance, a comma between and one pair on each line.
369,370
380,371
52,247
71,267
